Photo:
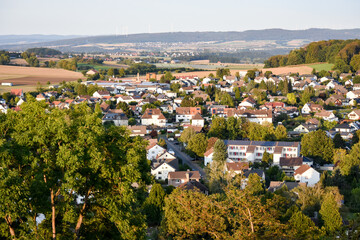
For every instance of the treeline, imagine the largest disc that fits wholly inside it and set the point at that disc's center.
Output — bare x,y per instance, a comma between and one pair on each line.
343,53
31,59
238,57
4,57
43,51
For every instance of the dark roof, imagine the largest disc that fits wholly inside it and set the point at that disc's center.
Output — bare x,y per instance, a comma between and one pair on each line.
194,185
261,143
259,172
343,126
291,162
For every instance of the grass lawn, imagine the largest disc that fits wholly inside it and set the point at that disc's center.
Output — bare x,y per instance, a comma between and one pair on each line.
321,66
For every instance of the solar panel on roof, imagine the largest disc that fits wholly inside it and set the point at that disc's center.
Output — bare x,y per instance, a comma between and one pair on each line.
285,144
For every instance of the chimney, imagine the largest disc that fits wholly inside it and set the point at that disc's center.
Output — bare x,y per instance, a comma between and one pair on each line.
187,175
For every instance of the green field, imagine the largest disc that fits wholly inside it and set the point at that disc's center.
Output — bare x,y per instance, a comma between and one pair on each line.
321,66
96,67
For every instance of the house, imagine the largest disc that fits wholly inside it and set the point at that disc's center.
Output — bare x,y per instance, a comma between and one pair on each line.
353,94
190,115
104,107
248,102
17,92
177,178
311,107
289,165
276,185
137,131
235,168
273,105
208,156
247,173
118,118
354,115
306,128
40,97
326,115
153,117
3,108
257,116
91,72
101,94
160,170
165,156
153,150
194,186
252,151
306,174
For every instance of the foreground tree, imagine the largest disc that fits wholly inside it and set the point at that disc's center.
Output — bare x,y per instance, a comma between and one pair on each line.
330,214
85,170
154,204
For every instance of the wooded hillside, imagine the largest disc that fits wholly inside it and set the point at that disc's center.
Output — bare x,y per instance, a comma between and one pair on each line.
343,53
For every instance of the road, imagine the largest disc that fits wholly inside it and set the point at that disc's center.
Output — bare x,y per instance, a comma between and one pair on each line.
185,158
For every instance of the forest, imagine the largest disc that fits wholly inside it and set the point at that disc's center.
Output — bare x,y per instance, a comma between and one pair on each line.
343,53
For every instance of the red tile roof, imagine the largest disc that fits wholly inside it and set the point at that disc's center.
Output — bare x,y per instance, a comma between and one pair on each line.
303,168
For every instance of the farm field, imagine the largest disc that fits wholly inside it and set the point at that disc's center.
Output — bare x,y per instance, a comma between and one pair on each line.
321,66
27,77
301,69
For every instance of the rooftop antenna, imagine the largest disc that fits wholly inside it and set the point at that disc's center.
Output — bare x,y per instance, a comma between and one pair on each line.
149,28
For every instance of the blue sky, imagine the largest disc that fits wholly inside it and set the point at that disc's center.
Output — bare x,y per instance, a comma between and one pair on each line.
103,17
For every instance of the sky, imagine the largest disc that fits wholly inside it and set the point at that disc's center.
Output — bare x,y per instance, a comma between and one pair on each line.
108,17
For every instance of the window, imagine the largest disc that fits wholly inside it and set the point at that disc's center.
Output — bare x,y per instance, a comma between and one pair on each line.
159,177
159,172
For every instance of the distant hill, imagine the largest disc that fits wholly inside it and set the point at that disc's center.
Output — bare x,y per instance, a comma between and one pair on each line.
257,40
43,51
345,54
34,38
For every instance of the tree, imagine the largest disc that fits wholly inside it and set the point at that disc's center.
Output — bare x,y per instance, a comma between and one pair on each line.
162,143
75,170
187,134
220,152
268,74
237,93
233,128
280,133
220,72
317,145
266,159
154,204
216,177
330,215
303,227
123,106
218,128
191,215
132,121
198,144
329,124
146,106
338,141
355,62
255,185
291,98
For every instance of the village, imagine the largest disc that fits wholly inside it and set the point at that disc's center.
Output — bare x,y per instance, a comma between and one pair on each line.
163,112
